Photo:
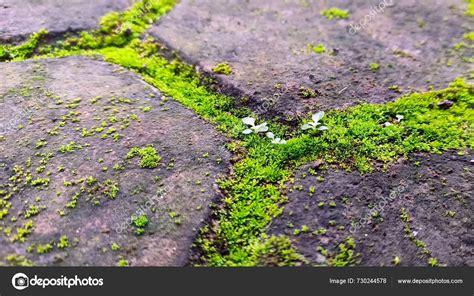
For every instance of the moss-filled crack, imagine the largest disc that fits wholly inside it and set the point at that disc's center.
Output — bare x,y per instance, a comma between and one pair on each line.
357,138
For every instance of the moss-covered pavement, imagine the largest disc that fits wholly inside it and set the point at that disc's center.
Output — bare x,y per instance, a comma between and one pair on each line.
164,133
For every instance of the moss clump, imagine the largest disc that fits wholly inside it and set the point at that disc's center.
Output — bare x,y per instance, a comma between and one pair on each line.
469,36
63,242
374,67
24,50
319,49
122,263
140,222
275,251
149,158
307,92
43,249
115,247
470,8
335,12
222,68
15,260
23,232
110,189
32,211
41,143
116,29
346,256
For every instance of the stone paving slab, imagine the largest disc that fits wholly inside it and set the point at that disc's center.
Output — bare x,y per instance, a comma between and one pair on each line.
68,127
435,190
18,19
266,44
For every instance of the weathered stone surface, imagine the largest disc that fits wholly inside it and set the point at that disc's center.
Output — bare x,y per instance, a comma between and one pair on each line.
19,19
435,190
266,44
37,98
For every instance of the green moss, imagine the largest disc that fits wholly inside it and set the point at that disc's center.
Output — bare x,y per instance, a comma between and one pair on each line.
91,181
355,139
41,143
335,12
319,49
122,263
110,189
32,211
149,158
23,232
24,50
63,242
374,67
116,28
307,92
222,68
275,251
346,255
433,262
15,260
469,36
69,148
42,249
40,182
470,8
140,222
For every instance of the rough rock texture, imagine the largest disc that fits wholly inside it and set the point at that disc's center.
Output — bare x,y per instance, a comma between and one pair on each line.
268,44
18,19
435,190
89,114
